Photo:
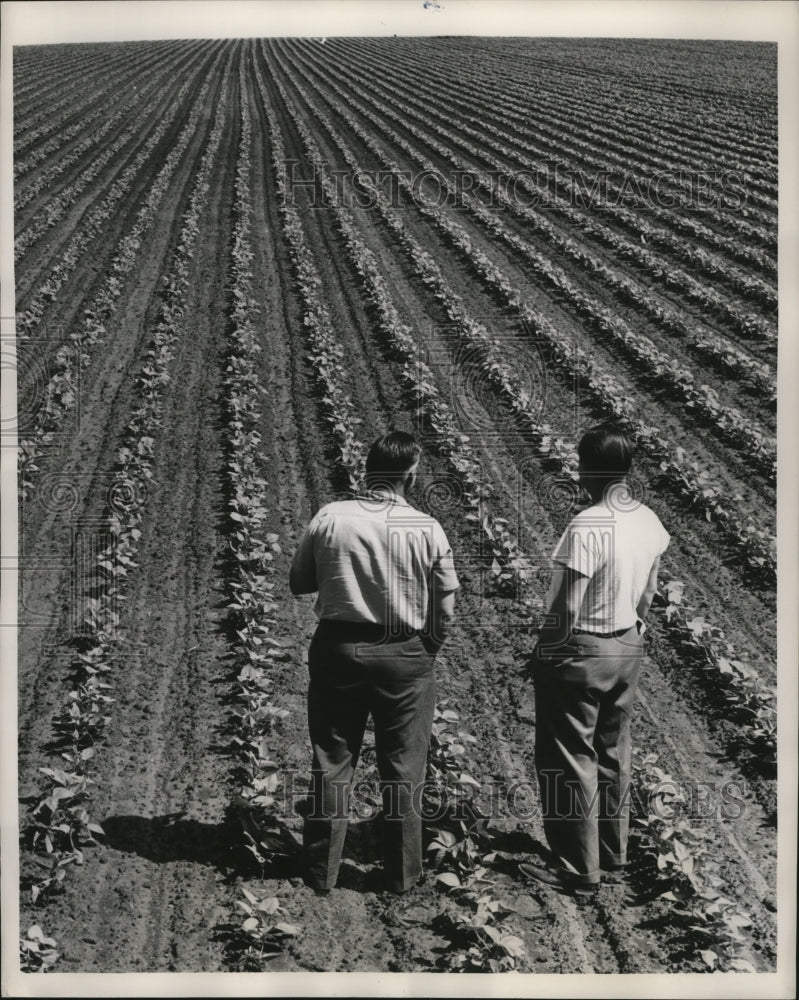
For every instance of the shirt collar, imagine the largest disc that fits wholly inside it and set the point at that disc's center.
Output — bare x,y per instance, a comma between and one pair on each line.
375,497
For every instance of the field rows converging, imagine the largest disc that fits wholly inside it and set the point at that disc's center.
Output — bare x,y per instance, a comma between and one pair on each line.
571,162
237,264
550,118
627,249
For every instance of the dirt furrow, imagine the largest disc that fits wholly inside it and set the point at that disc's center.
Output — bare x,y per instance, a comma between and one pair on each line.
62,521
163,778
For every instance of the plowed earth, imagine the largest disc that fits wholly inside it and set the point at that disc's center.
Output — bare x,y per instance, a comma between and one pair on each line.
157,890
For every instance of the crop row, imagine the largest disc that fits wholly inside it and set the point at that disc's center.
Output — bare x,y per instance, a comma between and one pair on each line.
733,132
613,121
755,288
58,825
41,72
71,358
120,79
325,354
56,205
85,89
573,183
746,323
58,141
28,320
609,98
655,365
76,93
76,83
570,175
461,850
729,420
680,471
686,874
251,603
734,683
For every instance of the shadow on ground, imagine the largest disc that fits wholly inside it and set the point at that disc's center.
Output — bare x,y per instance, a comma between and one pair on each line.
172,838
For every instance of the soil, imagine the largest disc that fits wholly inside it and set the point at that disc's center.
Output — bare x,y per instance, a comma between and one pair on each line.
158,891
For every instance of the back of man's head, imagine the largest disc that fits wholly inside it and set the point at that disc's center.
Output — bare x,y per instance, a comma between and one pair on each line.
606,451
390,459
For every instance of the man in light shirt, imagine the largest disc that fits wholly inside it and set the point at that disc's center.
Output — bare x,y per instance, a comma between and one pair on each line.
386,587
586,666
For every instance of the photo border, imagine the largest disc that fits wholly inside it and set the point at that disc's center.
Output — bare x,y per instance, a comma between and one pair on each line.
104,20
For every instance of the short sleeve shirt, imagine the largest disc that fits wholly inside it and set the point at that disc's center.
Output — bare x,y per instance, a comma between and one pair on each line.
374,559
615,549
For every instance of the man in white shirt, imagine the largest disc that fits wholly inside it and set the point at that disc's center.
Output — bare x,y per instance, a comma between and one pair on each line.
586,666
386,587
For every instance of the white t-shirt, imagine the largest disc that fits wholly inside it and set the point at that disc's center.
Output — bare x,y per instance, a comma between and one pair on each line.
372,560
615,548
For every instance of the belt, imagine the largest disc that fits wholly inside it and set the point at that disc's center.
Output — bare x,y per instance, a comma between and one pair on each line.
368,631
602,635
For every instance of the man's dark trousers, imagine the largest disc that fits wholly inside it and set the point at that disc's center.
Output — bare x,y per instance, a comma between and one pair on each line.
584,697
356,670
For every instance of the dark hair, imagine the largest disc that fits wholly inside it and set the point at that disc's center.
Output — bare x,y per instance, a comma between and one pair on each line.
390,457
606,451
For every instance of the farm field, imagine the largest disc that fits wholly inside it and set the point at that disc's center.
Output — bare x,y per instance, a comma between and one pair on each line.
237,263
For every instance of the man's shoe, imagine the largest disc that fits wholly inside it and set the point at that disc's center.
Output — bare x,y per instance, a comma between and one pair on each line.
317,889
396,890
556,878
